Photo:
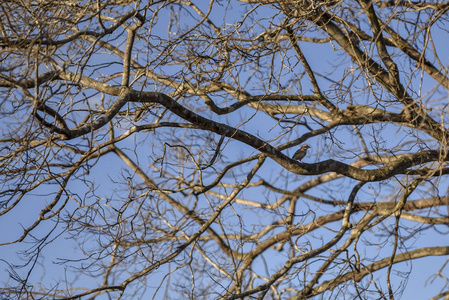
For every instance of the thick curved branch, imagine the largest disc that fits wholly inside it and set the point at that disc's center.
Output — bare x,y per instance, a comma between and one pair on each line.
396,167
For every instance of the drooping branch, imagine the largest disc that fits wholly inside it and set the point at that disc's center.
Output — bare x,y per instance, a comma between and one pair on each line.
358,275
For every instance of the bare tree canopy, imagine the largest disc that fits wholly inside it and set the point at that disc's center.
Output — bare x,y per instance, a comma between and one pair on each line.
146,149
